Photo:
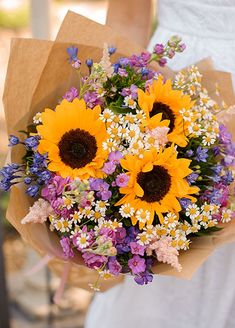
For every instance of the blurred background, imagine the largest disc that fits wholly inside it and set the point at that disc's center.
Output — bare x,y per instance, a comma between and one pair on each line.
27,301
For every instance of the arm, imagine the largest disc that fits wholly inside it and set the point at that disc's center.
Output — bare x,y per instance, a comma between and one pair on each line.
131,18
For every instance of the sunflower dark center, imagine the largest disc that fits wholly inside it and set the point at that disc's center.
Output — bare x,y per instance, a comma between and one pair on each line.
77,148
167,113
155,183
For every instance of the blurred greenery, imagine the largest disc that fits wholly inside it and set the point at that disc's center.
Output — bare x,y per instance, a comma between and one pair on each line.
14,19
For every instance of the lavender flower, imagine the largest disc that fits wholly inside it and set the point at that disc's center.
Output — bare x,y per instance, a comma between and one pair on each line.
191,178
224,136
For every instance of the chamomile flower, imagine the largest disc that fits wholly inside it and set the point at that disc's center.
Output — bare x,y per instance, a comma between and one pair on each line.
126,211
107,115
142,216
76,217
143,239
226,215
68,202
208,139
171,220
37,119
150,231
192,211
82,240
130,102
101,206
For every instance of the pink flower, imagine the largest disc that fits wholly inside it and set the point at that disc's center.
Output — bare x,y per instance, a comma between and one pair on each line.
39,212
122,180
165,252
137,264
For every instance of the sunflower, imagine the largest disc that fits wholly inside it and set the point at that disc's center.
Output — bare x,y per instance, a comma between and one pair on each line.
161,100
72,135
156,182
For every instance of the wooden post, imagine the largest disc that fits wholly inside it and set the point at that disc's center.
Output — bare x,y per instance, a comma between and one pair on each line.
40,19
4,306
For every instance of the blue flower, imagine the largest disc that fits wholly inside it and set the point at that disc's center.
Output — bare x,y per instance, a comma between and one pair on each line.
111,50
73,53
32,190
13,140
89,62
201,154
27,180
45,175
31,142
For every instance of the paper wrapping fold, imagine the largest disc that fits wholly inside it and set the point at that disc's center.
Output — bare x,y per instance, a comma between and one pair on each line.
37,77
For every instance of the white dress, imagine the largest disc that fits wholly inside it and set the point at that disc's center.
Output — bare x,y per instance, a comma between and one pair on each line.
208,300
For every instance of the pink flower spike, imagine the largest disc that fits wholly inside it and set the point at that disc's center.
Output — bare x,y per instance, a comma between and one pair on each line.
39,212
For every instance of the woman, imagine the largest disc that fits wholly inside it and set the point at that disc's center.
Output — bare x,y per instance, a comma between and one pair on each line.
208,300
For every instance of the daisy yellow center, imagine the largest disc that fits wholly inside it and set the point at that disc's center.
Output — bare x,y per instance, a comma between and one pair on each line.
155,184
77,148
167,113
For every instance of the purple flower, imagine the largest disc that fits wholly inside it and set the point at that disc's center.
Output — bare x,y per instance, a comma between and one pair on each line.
66,245
71,94
122,180
115,157
201,154
158,49
120,234
55,187
143,278
101,187
94,261
13,140
109,168
109,233
124,61
189,153
184,202
137,264
122,72
162,62
182,47
132,91
224,136
191,178
137,248
114,266
92,99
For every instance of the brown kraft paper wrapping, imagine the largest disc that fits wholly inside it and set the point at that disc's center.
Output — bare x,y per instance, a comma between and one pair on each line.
38,75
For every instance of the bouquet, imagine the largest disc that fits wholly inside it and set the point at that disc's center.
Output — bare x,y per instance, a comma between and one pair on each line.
129,166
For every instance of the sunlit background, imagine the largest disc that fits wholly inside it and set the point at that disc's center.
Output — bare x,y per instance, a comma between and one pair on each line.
30,297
